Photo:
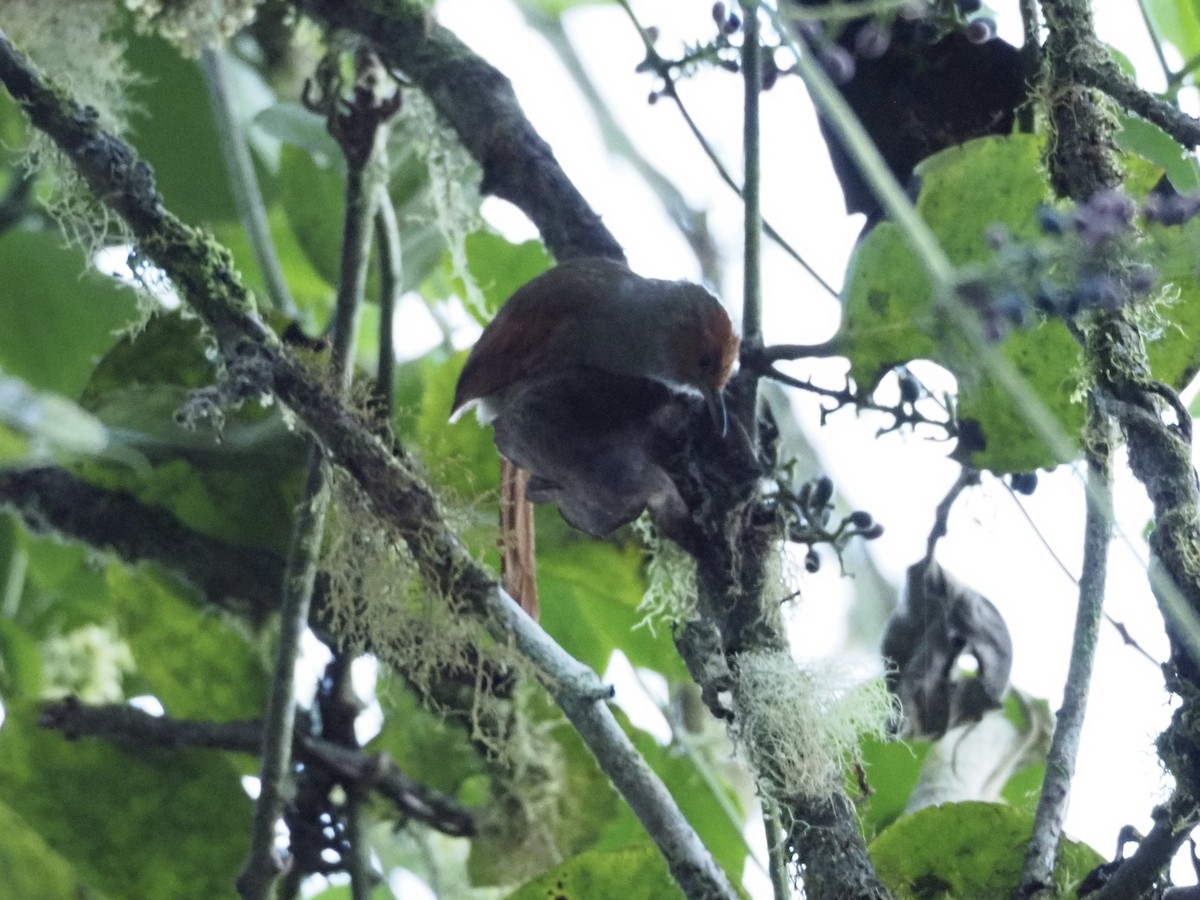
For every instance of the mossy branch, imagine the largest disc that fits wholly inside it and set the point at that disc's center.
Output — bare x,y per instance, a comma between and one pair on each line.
204,274
1082,162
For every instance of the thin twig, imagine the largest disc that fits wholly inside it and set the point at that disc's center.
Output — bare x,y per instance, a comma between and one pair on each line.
1152,33
125,724
1120,627
693,223
1042,851
967,477
359,127
387,243
669,90
243,180
776,851
752,338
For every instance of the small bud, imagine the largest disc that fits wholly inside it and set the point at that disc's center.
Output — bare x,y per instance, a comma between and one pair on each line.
861,519
838,64
718,13
968,7
875,531
980,30
910,388
822,492
652,34
653,98
871,41
730,65
1050,220
1023,482
732,24
812,562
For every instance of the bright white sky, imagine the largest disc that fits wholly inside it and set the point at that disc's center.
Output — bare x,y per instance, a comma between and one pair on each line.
898,478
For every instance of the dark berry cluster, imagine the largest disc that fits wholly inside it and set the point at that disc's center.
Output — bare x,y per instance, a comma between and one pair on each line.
807,515
1086,259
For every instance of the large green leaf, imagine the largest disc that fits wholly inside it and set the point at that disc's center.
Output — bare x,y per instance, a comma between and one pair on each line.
891,769
499,267
1178,22
38,426
892,316
968,849
631,873
167,824
32,869
198,665
176,134
56,315
590,592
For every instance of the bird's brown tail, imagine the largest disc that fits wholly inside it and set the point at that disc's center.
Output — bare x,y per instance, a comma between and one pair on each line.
517,559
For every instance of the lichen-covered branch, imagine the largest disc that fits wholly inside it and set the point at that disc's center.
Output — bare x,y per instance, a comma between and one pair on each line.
124,724
205,277
479,104
1082,162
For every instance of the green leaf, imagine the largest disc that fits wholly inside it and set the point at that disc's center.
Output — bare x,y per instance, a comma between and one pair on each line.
424,745
891,769
499,267
631,873
20,662
892,317
1150,142
590,592
149,823
298,126
31,867
968,849
197,665
695,794
56,315
313,195
1177,22
1171,343
239,484
37,426
176,134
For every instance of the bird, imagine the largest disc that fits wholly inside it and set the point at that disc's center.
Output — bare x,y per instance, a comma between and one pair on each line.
581,372
596,313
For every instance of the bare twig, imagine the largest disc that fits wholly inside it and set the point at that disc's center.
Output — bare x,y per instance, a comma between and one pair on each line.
243,180
1040,854
359,126
662,68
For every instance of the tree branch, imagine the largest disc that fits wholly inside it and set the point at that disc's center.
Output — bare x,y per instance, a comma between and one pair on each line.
206,279
479,104
125,724
359,124
1105,75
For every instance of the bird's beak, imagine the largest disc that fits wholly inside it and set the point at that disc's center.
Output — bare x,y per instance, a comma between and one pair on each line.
715,401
